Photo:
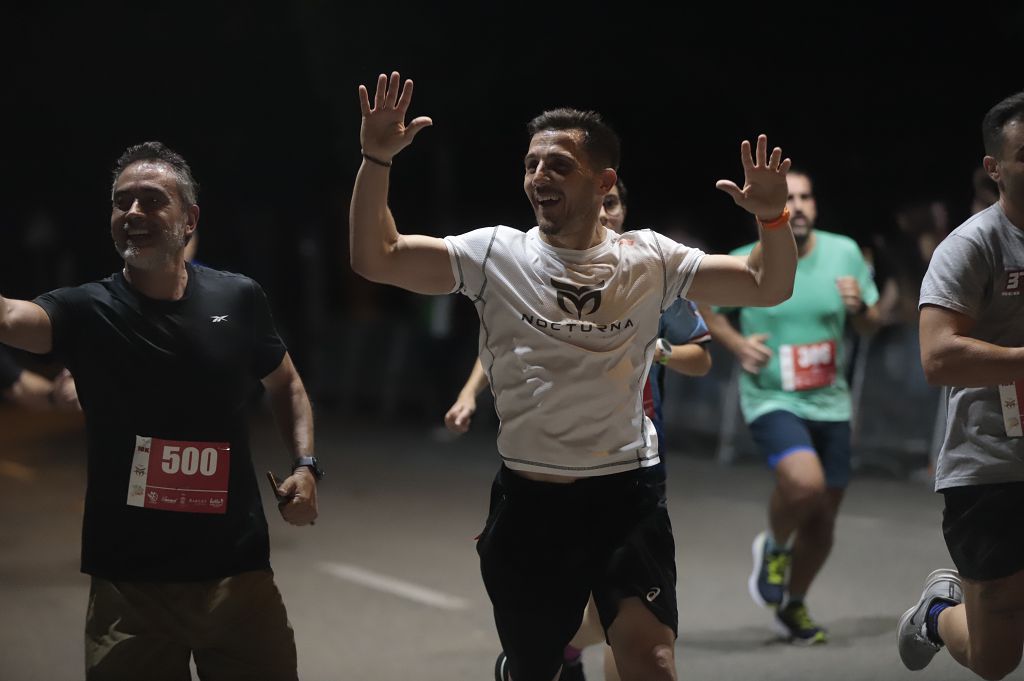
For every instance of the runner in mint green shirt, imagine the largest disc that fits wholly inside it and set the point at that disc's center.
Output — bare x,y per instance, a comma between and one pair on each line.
796,400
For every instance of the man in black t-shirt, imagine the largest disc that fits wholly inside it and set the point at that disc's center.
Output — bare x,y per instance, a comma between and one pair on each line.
166,356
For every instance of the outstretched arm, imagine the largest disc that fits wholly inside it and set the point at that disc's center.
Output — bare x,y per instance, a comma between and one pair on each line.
765,277
25,326
378,252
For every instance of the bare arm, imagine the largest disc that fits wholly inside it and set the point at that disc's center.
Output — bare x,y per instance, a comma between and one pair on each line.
765,277
951,357
459,415
864,318
31,390
868,321
690,359
25,325
294,415
762,279
378,252
751,351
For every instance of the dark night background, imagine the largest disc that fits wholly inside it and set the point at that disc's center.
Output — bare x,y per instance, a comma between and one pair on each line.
882,107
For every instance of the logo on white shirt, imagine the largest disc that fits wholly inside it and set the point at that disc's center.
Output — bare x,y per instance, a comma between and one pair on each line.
579,296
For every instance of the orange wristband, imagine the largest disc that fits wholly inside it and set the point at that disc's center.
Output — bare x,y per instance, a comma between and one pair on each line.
777,222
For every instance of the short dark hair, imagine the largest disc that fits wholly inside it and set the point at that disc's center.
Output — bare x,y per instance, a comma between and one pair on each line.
1010,109
599,140
159,152
621,186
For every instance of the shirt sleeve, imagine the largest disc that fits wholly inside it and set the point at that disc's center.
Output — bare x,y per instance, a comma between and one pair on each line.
269,350
681,263
958,277
682,324
468,254
61,307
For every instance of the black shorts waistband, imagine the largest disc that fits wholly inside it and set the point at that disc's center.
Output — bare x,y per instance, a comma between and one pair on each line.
517,484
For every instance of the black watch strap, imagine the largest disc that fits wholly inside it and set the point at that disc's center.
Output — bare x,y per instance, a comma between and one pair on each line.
311,463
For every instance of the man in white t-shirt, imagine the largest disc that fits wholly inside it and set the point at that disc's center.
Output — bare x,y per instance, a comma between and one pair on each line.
568,323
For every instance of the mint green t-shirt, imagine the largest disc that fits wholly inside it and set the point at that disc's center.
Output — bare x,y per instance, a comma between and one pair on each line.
805,375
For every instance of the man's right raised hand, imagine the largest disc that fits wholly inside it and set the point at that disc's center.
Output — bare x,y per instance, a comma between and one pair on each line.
384,132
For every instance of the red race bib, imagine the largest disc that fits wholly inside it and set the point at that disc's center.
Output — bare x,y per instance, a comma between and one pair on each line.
809,366
188,477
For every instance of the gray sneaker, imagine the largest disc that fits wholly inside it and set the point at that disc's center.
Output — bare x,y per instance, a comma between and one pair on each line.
916,649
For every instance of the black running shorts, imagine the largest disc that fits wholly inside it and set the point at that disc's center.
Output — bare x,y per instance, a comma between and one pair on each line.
983,529
546,546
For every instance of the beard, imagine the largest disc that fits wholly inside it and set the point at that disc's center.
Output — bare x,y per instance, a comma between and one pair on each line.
549,228
155,257
802,231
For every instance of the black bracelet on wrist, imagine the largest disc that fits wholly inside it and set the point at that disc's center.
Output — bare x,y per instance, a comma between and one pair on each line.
371,159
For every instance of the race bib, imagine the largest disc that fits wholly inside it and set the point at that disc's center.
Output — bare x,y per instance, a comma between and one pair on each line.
1011,396
809,366
188,477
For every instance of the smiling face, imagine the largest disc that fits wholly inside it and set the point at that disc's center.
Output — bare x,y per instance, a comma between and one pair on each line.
564,190
149,221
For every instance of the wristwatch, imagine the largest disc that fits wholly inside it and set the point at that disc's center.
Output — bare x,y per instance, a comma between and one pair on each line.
666,351
311,463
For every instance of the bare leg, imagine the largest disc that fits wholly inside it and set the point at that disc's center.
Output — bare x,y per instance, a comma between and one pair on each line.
986,633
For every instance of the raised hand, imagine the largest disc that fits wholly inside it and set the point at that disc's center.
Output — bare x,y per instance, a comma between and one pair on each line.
764,191
384,131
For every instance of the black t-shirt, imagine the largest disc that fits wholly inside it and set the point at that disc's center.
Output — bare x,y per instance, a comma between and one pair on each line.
180,371
10,372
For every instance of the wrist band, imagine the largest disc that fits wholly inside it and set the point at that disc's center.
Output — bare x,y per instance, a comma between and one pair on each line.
777,222
371,159
666,351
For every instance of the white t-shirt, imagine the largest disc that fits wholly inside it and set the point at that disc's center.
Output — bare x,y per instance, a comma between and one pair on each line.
567,338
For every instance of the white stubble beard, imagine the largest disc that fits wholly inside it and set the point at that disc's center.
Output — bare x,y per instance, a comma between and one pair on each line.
164,253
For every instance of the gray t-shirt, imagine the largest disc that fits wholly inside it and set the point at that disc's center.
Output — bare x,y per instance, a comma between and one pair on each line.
978,270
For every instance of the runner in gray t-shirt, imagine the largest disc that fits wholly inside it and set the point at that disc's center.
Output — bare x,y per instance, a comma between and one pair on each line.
972,340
